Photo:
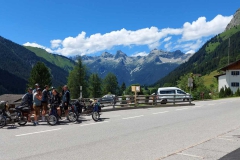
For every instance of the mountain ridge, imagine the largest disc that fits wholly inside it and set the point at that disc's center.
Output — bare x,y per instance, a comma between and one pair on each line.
16,61
139,69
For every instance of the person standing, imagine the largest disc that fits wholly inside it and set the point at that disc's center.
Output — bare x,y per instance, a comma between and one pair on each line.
65,99
45,98
27,100
36,87
37,97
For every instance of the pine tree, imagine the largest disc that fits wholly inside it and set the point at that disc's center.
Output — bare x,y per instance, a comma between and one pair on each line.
222,93
110,84
40,74
123,88
95,86
237,93
78,77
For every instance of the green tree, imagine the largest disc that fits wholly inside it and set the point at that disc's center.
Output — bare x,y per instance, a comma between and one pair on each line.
228,92
78,77
110,84
167,85
122,88
95,85
40,74
222,93
237,93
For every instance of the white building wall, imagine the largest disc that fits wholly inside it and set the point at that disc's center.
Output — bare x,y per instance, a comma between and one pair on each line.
222,82
232,78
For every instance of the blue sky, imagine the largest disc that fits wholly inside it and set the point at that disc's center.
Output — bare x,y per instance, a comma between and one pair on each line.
79,27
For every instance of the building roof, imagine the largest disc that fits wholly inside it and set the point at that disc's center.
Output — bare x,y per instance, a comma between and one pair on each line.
11,98
234,65
216,76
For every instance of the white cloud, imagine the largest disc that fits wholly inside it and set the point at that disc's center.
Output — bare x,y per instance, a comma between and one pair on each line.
191,35
201,28
55,43
168,46
38,46
190,52
139,54
167,39
98,42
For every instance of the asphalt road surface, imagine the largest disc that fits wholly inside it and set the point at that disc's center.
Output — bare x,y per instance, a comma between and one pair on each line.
208,130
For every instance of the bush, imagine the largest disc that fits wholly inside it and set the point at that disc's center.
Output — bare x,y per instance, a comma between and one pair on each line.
237,93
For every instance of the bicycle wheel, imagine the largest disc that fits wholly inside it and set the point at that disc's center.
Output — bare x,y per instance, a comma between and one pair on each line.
2,121
22,121
72,116
95,116
52,120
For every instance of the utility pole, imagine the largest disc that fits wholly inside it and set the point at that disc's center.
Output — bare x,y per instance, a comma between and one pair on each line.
228,49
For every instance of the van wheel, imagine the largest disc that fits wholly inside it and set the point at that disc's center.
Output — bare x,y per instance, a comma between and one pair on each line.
164,101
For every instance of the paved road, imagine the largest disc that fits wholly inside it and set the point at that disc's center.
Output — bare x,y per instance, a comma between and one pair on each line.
208,130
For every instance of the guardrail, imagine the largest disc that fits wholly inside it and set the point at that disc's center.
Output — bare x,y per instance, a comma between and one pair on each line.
141,100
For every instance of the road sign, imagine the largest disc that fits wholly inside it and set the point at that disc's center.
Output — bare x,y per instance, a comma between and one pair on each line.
190,82
136,88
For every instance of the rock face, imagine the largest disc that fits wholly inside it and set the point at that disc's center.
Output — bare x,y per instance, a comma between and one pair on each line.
235,20
141,69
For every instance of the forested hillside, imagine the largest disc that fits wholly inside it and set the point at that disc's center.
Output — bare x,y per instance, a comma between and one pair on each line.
16,62
10,83
211,56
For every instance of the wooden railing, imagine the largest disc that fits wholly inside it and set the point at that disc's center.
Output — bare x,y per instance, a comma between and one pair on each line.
141,100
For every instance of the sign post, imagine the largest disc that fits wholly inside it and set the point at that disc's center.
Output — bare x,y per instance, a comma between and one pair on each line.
135,89
190,84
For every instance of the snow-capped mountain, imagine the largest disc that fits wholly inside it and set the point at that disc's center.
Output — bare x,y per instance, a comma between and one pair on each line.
140,69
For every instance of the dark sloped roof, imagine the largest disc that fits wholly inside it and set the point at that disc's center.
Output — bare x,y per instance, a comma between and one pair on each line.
230,65
11,98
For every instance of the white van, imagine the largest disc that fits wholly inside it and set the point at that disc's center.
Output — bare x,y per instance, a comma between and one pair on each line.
166,94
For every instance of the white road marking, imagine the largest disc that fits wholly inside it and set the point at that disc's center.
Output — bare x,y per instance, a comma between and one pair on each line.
225,139
161,112
190,155
181,109
38,132
133,117
226,136
93,123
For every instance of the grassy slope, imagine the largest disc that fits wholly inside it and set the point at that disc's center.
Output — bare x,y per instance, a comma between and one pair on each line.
209,78
60,61
225,35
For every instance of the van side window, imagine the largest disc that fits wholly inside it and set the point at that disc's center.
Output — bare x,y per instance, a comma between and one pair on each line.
167,92
180,92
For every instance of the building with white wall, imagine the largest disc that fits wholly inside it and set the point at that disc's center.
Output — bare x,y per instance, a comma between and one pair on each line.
231,77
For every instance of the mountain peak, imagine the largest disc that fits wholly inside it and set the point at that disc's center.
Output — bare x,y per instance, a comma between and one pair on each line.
235,20
106,55
120,54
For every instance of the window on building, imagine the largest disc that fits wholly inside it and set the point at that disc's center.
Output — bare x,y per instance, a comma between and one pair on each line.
235,84
235,73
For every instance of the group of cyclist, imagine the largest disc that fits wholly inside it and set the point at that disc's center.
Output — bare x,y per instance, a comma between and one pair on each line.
38,100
